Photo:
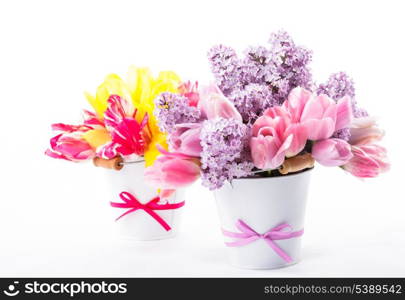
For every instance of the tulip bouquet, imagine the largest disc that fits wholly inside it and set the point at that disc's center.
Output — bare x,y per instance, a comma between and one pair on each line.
122,134
122,123
263,111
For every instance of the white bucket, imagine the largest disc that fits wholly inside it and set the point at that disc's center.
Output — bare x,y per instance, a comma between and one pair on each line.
139,224
263,204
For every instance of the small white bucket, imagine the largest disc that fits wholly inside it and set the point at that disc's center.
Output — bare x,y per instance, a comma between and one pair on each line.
139,224
263,204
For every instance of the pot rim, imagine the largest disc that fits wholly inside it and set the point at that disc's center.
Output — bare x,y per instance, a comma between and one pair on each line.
134,160
274,177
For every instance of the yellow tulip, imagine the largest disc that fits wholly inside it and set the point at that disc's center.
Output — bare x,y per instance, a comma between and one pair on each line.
141,88
151,152
112,85
97,137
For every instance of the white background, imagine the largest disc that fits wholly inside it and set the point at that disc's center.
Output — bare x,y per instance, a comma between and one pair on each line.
54,216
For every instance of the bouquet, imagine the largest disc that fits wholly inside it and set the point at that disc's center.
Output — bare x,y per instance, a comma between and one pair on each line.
263,116
121,125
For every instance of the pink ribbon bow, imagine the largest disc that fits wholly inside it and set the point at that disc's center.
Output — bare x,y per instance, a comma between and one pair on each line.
248,235
131,202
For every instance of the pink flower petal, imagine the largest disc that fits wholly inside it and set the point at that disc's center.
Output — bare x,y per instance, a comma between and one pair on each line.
332,152
344,113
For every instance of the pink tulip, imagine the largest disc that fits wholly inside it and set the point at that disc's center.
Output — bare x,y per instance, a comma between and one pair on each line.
319,117
172,171
70,146
295,104
186,139
274,137
118,109
268,151
296,129
92,120
344,115
190,91
368,161
209,89
66,128
128,135
319,114
332,152
364,131
213,104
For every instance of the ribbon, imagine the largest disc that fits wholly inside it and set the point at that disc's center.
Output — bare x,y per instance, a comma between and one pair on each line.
133,204
247,235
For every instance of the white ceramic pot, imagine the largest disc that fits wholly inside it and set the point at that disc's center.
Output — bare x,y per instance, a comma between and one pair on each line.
139,224
263,204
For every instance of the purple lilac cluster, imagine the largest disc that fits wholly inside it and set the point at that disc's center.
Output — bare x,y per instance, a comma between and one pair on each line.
223,142
336,87
252,101
264,76
172,109
226,68
289,65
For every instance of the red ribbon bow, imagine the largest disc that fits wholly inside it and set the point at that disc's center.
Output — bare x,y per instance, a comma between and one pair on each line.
131,202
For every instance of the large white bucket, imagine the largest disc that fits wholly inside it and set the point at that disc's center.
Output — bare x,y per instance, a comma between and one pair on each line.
263,204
